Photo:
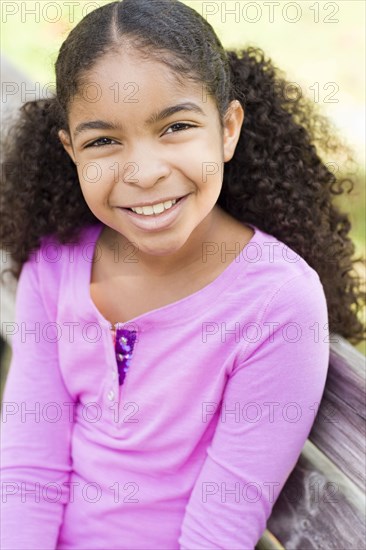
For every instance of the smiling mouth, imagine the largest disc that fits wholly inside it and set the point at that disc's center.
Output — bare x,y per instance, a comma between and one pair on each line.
154,210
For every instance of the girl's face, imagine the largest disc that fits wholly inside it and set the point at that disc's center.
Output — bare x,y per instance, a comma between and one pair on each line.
140,140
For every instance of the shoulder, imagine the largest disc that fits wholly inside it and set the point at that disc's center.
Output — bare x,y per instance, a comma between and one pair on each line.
51,266
285,287
52,256
271,265
289,301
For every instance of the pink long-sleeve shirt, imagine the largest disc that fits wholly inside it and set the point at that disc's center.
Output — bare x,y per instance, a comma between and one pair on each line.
193,449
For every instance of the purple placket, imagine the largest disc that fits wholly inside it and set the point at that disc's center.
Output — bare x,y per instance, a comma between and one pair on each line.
124,344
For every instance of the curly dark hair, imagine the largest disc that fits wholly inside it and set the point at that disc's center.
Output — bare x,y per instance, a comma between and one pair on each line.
276,179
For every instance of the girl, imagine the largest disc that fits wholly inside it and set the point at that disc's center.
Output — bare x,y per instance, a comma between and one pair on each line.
171,192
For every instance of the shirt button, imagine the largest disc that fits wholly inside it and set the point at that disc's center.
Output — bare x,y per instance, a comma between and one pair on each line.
114,375
111,395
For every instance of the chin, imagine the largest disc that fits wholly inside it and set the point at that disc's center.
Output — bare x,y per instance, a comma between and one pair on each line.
164,248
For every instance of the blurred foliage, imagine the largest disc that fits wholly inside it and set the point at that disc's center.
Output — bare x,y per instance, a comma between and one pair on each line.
319,45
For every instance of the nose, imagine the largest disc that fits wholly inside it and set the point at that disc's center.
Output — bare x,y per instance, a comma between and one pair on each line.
147,166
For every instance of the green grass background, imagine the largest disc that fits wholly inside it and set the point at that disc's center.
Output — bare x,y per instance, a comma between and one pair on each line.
320,48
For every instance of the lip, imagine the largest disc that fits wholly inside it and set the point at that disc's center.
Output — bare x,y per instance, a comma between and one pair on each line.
155,222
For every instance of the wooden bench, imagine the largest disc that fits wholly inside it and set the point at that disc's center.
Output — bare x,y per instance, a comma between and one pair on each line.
323,505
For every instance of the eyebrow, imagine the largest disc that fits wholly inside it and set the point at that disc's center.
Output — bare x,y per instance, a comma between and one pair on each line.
94,125
156,117
172,110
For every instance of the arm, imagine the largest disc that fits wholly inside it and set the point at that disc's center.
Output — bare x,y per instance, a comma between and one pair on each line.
268,408
36,427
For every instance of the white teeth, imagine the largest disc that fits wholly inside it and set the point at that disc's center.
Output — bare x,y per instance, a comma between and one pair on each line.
155,209
147,210
158,208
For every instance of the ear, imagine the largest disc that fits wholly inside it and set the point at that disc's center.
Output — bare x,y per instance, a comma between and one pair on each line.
66,142
233,122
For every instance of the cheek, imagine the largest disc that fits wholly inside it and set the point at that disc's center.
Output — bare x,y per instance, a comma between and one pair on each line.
205,165
95,180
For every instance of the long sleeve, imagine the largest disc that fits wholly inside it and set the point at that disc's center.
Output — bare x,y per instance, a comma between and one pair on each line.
267,411
37,422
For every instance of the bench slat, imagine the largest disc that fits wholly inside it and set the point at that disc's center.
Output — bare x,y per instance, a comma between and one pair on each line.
322,504
339,429
319,507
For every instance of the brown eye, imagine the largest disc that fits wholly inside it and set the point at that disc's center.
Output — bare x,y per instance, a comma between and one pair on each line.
181,126
100,142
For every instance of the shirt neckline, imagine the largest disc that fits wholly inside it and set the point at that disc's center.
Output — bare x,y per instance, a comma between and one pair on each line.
179,311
